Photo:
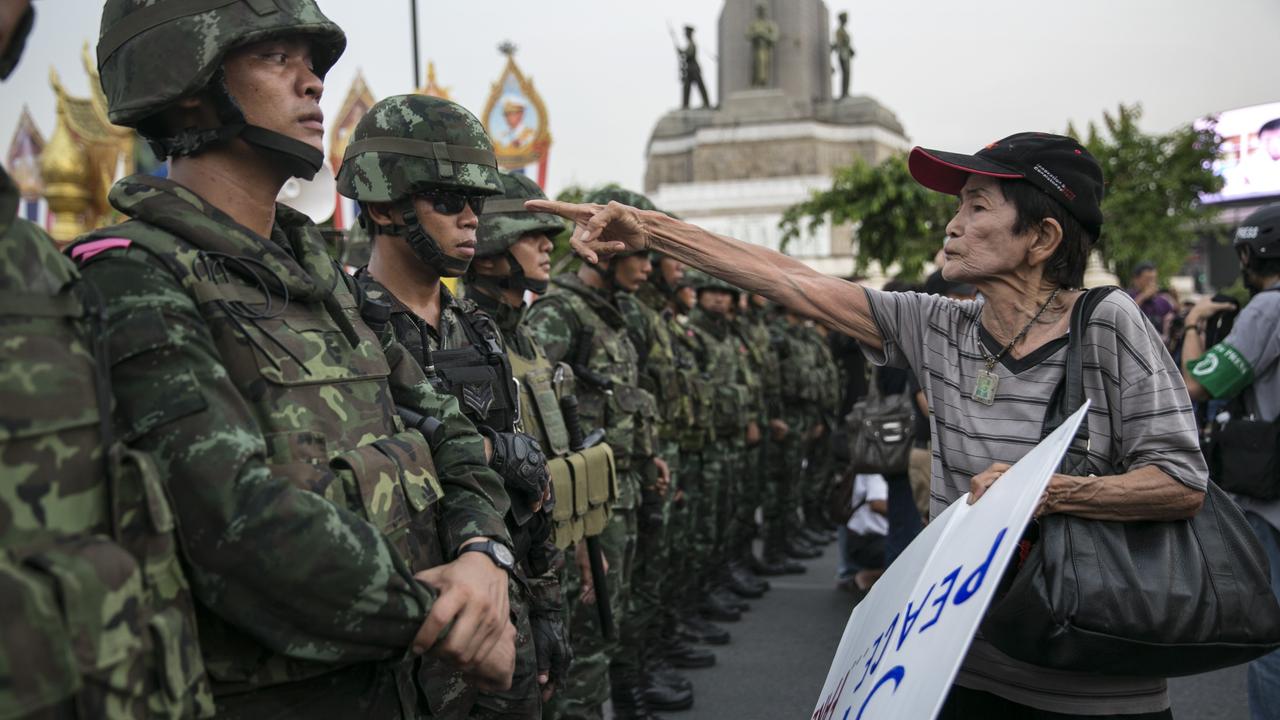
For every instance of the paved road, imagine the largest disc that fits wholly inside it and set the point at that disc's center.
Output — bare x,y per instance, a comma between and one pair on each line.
775,666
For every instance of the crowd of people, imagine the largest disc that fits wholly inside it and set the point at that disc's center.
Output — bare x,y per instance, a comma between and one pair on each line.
239,481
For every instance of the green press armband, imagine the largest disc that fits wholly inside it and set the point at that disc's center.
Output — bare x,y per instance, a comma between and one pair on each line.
1222,371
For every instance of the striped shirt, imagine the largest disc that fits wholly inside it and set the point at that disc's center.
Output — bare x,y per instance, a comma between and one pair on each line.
1140,415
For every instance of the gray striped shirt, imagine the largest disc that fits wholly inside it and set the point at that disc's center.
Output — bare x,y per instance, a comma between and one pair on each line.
1141,415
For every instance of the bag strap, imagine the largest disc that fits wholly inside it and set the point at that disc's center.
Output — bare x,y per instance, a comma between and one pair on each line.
1069,395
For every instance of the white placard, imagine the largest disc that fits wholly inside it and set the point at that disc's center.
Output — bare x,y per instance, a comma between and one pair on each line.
905,641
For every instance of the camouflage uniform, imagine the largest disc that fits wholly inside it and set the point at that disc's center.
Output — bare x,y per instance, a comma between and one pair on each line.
723,462
463,356
580,325
751,326
543,387
692,544
242,366
672,370
783,500
97,613
823,376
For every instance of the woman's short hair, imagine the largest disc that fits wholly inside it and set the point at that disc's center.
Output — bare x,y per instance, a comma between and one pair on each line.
1067,264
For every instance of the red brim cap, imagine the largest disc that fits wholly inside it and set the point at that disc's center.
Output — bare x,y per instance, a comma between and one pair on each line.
947,172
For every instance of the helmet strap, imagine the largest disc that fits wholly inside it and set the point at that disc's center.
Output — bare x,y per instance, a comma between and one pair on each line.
426,247
609,274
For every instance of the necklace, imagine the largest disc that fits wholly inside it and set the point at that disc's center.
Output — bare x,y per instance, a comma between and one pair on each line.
984,389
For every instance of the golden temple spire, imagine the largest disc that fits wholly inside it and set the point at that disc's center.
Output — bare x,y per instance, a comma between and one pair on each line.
66,173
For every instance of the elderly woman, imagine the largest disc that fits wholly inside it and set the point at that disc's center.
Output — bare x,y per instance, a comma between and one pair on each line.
1029,212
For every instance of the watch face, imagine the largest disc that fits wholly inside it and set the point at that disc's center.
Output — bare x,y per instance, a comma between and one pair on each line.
503,555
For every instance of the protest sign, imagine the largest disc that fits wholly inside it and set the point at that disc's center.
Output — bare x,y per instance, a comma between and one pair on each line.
905,641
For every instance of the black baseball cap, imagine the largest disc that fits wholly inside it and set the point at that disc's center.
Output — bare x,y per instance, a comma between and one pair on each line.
1058,165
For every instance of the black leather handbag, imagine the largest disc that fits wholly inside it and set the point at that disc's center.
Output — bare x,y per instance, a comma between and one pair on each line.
1156,599
881,430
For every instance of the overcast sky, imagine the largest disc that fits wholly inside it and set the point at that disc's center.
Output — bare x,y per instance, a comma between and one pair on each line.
958,75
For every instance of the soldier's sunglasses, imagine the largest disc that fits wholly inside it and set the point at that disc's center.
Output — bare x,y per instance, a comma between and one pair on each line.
451,203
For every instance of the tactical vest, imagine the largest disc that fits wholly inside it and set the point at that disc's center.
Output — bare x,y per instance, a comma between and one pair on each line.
584,484
691,358
314,378
722,372
475,374
98,620
627,412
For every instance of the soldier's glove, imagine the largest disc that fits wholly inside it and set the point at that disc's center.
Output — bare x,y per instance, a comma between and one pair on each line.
518,458
551,643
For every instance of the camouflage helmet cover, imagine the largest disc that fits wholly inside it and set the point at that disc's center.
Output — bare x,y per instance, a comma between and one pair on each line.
409,143
610,193
152,54
700,280
505,220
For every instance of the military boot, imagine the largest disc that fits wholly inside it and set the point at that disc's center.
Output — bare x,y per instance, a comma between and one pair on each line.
713,607
656,696
741,585
629,704
681,654
695,628
661,672
726,596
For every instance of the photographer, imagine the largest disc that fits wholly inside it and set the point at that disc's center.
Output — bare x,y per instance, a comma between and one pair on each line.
1246,365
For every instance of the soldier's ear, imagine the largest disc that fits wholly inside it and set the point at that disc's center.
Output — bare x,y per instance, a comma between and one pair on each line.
380,213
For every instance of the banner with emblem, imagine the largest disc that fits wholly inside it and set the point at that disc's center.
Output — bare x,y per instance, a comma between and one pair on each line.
516,119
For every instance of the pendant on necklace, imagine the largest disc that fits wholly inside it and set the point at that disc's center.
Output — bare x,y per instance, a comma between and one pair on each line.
984,390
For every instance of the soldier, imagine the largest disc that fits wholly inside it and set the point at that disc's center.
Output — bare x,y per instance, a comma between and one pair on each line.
652,332
513,257
87,557
752,326
579,322
782,546
422,213
668,288
326,544
736,428
823,406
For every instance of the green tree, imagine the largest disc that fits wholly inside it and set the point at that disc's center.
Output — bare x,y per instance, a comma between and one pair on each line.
898,220
1151,209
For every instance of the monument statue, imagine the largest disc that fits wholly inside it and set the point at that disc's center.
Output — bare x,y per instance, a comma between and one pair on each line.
690,70
843,48
763,34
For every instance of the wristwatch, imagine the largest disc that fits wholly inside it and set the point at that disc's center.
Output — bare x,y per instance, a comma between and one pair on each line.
500,554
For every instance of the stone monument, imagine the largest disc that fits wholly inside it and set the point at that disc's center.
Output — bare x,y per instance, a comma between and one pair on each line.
735,169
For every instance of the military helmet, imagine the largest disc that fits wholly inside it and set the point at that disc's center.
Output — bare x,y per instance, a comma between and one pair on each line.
406,144
505,220
700,281
609,193
152,54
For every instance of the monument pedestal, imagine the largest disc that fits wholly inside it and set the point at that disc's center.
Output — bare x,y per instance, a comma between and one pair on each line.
736,169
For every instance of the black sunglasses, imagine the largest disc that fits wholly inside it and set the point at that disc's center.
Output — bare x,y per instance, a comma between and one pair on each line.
451,203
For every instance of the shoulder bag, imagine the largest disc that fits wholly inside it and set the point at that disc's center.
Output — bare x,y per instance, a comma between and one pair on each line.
1143,598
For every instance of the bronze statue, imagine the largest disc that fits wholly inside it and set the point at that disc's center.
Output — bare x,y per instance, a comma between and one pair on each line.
690,70
843,48
763,34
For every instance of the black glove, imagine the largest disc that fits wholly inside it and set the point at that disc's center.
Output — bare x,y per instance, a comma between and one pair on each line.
518,458
551,643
